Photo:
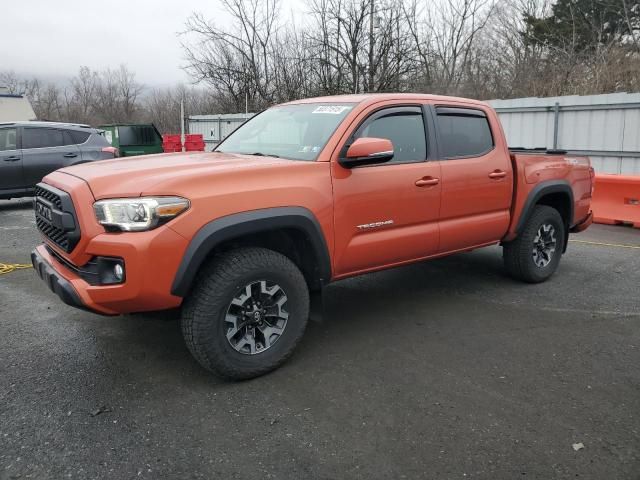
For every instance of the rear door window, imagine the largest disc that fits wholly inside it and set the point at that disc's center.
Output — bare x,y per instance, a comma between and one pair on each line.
78,138
463,132
42,138
8,139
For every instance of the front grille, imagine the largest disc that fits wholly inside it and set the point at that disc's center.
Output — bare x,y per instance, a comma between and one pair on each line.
56,217
49,195
56,235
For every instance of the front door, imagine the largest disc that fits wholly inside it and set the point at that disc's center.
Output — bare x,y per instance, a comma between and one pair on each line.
10,160
387,214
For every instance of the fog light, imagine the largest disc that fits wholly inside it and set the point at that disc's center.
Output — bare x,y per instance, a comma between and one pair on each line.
118,272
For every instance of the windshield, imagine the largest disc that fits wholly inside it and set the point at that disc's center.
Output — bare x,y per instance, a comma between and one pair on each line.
296,132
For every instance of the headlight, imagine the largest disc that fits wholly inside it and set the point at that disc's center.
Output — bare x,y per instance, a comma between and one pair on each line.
138,214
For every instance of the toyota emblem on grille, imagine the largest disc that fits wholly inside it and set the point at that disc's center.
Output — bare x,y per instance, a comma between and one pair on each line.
44,211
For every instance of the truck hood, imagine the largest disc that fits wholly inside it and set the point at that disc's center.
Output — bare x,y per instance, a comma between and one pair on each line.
167,174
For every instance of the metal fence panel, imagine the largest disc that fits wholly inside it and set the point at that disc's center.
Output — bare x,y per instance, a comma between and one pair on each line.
631,130
604,127
215,128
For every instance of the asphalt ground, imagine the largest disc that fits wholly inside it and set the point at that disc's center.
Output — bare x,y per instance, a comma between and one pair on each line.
441,370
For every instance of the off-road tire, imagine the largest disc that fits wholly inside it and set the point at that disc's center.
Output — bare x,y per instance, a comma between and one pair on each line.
204,310
518,256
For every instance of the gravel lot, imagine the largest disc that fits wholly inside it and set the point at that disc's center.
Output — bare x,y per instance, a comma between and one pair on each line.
444,370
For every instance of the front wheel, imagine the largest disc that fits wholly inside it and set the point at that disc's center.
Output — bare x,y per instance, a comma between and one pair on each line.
246,313
534,256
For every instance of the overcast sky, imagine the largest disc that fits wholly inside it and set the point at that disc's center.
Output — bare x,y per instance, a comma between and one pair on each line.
52,38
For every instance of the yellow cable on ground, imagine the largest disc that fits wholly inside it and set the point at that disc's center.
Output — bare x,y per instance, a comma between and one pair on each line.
12,267
617,245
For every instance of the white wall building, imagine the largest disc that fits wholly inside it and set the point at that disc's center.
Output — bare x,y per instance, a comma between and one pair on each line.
14,107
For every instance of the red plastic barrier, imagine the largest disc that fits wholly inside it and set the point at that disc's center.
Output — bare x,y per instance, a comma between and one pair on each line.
194,142
616,199
171,147
171,143
194,147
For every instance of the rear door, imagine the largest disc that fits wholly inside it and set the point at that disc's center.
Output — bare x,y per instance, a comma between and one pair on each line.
477,178
11,177
44,150
89,148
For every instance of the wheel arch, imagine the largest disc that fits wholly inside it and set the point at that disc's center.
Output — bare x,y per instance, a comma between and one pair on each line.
287,230
556,194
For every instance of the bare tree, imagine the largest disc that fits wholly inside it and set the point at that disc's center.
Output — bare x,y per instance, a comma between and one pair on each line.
116,96
453,28
476,48
83,92
17,85
49,105
10,81
237,61
129,90
162,106
361,45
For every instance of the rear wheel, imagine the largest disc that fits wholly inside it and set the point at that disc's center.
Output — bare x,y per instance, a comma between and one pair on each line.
246,313
534,256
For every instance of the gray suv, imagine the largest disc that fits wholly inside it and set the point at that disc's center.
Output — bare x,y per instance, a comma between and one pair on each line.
32,150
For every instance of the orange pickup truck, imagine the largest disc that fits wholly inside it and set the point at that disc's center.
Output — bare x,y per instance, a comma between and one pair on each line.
303,194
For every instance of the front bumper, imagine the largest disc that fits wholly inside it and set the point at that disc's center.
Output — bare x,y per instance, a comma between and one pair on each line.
56,283
150,260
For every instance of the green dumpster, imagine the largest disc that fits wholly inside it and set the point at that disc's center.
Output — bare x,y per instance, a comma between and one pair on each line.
133,138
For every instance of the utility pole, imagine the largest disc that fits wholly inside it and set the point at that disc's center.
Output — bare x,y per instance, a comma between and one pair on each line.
182,122
246,91
371,17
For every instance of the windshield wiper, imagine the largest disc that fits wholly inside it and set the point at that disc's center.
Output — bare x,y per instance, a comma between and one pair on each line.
260,154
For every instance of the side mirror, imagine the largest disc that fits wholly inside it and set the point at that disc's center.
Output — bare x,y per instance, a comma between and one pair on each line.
367,151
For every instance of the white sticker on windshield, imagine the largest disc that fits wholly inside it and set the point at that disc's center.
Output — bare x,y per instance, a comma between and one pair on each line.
331,109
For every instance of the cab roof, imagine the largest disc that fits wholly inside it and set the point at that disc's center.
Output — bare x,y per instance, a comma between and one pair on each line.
368,98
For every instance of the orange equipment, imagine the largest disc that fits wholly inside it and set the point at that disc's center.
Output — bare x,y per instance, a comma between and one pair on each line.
616,199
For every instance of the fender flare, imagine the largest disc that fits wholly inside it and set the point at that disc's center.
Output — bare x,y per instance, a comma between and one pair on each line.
247,223
539,191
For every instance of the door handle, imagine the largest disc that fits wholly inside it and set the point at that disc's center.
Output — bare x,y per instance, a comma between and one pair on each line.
70,155
427,182
12,158
498,174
